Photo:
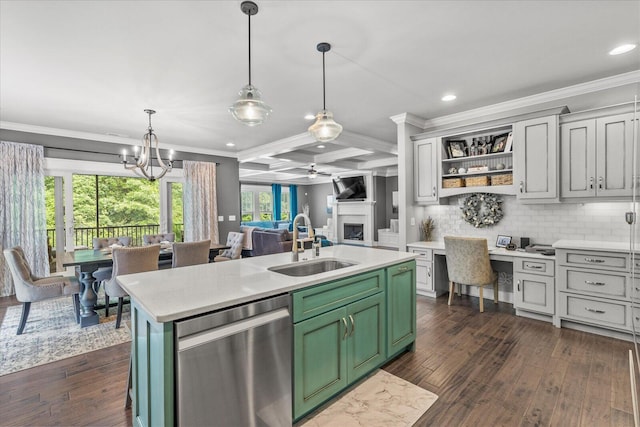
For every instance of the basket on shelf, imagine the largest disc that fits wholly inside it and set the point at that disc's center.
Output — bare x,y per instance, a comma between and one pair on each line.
476,181
452,182
506,179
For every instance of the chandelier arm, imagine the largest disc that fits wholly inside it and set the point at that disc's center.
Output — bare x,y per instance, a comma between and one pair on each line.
160,162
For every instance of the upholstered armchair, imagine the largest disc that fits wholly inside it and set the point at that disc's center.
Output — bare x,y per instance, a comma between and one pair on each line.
30,288
468,263
153,239
234,241
104,273
128,261
190,253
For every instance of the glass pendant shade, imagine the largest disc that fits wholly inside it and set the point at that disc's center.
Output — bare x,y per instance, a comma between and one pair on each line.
249,108
325,129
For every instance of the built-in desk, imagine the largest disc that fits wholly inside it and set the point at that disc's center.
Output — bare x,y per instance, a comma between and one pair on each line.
531,291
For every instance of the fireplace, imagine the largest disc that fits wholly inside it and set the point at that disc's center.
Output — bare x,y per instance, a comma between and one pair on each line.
353,231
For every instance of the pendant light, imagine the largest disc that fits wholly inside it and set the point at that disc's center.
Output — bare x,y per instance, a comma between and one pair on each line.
325,129
143,158
249,108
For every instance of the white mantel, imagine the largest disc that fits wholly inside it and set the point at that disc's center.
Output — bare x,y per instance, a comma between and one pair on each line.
360,212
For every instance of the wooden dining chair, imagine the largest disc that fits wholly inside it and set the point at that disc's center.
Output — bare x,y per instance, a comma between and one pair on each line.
128,261
468,263
30,288
190,253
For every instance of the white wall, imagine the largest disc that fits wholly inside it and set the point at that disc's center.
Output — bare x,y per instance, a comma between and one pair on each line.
542,223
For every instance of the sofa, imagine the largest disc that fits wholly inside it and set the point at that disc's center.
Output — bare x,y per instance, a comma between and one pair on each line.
268,224
265,241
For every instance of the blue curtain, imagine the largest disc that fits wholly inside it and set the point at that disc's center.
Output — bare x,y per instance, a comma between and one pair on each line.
293,200
276,189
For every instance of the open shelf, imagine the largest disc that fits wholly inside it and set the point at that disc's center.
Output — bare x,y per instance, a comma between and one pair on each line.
479,157
489,172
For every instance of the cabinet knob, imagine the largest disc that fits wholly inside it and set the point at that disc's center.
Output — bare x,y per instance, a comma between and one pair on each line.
522,186
433,193
591,182
600,182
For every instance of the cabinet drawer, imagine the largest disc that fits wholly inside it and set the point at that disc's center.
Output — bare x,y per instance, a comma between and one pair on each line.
596,312
594,283
536,266
424,255
591,259
310,302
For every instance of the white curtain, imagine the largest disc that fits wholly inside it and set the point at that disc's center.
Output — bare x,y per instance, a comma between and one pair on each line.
22,208
200,202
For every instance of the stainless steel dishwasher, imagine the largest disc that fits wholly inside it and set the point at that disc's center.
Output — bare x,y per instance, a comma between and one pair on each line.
234,366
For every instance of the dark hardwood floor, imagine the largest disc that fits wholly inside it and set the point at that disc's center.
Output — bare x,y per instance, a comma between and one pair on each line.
489,369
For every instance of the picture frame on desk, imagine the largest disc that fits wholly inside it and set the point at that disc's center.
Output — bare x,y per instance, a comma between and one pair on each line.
503,241
499,143
457,149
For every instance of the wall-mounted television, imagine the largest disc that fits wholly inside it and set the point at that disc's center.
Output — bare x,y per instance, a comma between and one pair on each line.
350,188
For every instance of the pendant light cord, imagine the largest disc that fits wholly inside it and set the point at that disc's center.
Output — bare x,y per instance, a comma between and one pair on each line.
324,90
249,15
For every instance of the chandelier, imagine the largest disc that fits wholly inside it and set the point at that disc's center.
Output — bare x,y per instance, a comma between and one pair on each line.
143,165
325,129
249,108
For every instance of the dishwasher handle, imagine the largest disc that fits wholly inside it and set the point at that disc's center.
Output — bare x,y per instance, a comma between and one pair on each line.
204,337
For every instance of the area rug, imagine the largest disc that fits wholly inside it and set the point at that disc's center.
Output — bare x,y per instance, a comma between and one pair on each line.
52,334
381,400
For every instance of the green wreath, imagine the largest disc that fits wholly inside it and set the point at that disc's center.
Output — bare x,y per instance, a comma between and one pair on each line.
482,209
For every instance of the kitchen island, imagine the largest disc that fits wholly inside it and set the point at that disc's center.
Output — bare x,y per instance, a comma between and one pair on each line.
376,293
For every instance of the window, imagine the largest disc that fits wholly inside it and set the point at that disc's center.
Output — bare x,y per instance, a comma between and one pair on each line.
257,203
111,206
266,205
285,205
246,200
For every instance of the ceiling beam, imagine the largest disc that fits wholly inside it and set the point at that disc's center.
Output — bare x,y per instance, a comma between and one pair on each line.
350,139
379,163
346,153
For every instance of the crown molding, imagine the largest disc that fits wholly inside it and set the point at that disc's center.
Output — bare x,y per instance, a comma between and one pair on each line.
528,101
409,118
66,133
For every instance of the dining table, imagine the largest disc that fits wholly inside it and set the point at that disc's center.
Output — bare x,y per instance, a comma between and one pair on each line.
87,261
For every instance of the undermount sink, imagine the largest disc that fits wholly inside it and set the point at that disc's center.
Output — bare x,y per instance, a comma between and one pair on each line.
307,268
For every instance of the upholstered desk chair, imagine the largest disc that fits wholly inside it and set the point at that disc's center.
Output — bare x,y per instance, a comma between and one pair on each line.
190,253
468,264
30,288
152,239
104,273
234,241
128,261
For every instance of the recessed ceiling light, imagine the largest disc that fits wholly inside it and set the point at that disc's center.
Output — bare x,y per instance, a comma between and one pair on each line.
320,146
622,49
230,144
309,117
448,97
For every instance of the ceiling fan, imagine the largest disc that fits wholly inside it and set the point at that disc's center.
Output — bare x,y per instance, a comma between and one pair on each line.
313,172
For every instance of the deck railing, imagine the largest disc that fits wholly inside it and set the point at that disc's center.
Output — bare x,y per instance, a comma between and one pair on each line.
83,236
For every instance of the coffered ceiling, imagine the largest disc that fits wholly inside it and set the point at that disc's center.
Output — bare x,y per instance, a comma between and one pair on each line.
94,66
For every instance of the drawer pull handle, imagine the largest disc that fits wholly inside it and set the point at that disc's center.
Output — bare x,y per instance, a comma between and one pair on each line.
403,269
518,285
521,186
433,193
591,183
593,310
353,325
589,282
595,260
429,272
600,182
536,267
346,329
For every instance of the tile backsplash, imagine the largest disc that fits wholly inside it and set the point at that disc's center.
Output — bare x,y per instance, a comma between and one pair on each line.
543,224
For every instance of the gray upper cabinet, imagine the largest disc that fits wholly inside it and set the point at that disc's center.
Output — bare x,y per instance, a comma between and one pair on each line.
596,156
536,158
425,161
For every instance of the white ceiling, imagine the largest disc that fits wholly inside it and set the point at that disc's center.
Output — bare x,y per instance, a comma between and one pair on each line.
93,66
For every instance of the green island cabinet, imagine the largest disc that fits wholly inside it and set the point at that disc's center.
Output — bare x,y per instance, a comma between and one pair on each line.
343,330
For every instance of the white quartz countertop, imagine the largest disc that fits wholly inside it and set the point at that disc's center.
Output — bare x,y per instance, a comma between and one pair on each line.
594,245
173,294
495,252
